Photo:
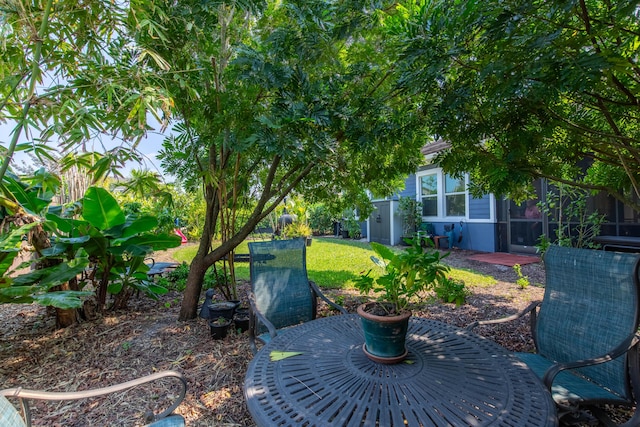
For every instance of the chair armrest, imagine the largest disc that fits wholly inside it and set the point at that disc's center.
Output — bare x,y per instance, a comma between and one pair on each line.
618,351
24,394
529,309
319,294
254,310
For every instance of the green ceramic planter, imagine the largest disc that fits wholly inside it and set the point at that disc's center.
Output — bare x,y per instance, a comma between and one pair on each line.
384,336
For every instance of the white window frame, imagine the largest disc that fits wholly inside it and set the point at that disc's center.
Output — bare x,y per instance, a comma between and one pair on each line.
441,195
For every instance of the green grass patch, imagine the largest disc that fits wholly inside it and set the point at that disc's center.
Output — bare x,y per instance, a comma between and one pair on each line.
334,263
471,278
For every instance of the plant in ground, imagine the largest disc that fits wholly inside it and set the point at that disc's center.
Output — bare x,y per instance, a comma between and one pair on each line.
451,290
410,211
522,281
406,273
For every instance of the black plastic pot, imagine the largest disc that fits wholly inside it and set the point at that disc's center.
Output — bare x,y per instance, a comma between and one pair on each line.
241,323
221,309
219,330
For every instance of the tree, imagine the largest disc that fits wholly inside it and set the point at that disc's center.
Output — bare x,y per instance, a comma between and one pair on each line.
72,75
276,96
531,89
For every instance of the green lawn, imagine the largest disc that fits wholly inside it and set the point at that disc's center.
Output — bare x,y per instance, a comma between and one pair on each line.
334,263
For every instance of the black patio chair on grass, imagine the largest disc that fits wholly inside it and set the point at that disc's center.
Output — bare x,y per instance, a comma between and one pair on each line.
281,293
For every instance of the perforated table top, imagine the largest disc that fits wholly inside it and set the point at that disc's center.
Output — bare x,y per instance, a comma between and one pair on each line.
451,377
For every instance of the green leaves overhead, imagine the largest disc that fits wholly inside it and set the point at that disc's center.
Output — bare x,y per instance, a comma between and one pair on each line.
523,89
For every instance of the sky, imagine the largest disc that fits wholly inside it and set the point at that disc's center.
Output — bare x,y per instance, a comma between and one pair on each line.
149,148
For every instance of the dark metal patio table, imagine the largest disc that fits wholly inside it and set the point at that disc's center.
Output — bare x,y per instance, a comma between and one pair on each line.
451,377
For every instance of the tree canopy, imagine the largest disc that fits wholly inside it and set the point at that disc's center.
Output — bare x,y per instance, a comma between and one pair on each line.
277,96
73,75
531,89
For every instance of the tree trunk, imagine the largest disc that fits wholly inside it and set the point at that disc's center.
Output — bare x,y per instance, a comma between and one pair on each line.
191,295
66,316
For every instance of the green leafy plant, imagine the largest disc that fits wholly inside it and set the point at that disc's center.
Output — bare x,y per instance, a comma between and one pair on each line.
410,210
522,281
297,229
320,219
221,321
451,290
178,276
352,225
405,274
577,224
116,245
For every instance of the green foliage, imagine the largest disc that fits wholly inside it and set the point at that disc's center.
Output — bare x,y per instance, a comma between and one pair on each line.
410,210
117,245
522,281
577,225
300,97
451,290
320,219
89,59
178,276
352,225
405,274
296,229
529,89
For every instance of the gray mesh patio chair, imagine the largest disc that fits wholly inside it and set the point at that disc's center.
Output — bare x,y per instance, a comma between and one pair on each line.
281,293
11,417
586,332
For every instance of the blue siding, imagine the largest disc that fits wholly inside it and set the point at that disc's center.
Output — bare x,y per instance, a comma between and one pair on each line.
480,208
409,187
475,236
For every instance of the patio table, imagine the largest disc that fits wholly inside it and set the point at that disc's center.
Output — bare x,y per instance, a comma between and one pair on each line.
451,377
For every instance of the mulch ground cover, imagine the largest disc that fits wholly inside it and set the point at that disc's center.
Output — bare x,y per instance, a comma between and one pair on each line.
146,338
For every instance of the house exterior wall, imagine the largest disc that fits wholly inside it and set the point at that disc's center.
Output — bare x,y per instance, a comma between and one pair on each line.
478,226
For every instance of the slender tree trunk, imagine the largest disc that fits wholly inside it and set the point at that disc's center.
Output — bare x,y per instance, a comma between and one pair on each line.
66,316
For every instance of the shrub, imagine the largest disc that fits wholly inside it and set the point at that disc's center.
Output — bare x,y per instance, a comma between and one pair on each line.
451,290
320,219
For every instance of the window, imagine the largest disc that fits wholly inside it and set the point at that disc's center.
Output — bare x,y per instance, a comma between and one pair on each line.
455,196
442,195
429,194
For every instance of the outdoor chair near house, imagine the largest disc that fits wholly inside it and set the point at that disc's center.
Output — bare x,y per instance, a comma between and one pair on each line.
11,417
586,333
281,293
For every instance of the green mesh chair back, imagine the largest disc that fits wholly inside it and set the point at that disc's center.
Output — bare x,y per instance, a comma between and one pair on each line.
280,284
582,285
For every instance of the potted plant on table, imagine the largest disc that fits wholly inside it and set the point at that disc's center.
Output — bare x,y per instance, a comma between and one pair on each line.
386,320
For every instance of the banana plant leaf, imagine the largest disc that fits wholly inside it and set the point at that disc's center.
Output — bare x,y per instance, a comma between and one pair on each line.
10,246
101,209
27,198
63,299
49,277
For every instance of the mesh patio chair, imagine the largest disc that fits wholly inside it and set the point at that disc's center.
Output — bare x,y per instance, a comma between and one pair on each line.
586,332
281,293
11,417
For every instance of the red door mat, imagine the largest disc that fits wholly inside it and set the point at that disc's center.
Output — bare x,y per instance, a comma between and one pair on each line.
505,259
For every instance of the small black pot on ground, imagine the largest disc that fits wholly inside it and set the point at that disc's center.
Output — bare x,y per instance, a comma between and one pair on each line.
221,309
219,328
241,319
241,324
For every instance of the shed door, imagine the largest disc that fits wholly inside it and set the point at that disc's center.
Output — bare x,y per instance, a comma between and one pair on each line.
380,223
